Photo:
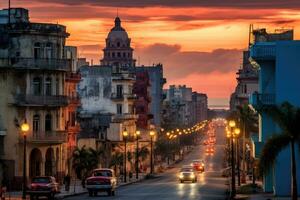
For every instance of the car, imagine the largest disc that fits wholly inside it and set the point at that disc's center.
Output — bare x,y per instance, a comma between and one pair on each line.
187,174
198,165
209,150
43,186
102,180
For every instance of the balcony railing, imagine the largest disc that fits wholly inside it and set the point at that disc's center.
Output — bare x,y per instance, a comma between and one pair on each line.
263,51
125,116
257,99
33,100
73,77
74,100
51,137
131,96
123,76
32,63
117,96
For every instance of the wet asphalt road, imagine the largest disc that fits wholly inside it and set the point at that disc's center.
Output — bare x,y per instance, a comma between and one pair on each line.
210,185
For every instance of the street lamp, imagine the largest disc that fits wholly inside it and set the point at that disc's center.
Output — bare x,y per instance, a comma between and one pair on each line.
152,133
232,125
137,134
125,135
236,135
24,129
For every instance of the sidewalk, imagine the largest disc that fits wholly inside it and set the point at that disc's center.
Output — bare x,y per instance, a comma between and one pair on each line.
75,190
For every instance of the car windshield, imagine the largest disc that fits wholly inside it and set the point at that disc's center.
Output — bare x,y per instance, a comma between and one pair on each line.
103,173
41,180
187,170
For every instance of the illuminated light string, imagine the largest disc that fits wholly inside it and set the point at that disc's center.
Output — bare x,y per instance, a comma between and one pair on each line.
172,134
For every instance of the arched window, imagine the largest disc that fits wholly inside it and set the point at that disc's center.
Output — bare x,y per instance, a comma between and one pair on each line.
36,123
48,87
37,86
48,122
37,50
49,50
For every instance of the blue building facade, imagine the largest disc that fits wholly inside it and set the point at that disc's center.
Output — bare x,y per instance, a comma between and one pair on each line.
279,81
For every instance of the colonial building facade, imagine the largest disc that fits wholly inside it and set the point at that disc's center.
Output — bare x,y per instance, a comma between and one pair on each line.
33,72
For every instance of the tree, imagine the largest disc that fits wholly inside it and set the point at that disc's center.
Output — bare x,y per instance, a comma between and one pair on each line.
84,161
116,160
287,118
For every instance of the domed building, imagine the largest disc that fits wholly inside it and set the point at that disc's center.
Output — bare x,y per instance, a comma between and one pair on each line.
118,52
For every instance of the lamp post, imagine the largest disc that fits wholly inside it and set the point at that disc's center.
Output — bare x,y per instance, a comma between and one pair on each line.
24,129
152,133
232,125
236,135
137,134
125,134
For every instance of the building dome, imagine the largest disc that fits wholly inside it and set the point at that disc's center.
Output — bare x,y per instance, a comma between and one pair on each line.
117,32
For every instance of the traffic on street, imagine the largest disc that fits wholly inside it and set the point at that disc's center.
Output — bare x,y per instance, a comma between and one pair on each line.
209,183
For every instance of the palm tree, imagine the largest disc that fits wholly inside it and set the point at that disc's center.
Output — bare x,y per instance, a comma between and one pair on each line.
248,121
287,117
84,161
116,160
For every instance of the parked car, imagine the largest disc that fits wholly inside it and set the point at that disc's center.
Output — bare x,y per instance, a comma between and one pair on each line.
187,174
102,180
43,186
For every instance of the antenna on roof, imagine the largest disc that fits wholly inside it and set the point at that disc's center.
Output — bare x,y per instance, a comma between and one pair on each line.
9,12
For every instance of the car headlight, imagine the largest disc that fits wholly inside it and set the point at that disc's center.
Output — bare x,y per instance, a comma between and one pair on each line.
180,176
192,176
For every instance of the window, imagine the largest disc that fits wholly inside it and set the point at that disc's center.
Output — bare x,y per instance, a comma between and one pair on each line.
72,118
57,86
48,86
49,50
119,55
118,44
245,89
113,54
36,123
48,122
37,86
119,109
124,55
37,50
57,119
1,145
119,90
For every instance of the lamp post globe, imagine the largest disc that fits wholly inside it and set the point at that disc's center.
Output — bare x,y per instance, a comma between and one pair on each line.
151,133
125,134
24,129
137,134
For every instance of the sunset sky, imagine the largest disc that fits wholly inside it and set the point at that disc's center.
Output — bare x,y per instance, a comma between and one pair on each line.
199,42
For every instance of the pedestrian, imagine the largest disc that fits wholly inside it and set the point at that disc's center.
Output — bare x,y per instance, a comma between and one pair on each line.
67,181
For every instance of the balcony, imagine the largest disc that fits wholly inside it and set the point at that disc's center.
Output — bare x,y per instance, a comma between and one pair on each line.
74,101
257,100
125,116
131,96
263,51
123,77
117,96
73,77
52,137
35,64
33,100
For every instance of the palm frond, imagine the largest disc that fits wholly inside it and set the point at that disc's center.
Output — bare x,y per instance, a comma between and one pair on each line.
271,149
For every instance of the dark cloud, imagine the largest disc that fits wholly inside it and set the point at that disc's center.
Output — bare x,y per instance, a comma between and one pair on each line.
292,4
179,64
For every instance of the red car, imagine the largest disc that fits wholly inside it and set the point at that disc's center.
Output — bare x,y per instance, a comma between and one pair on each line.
198,165
43,186
102,180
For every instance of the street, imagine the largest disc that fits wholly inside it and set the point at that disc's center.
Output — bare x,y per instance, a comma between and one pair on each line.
210,184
